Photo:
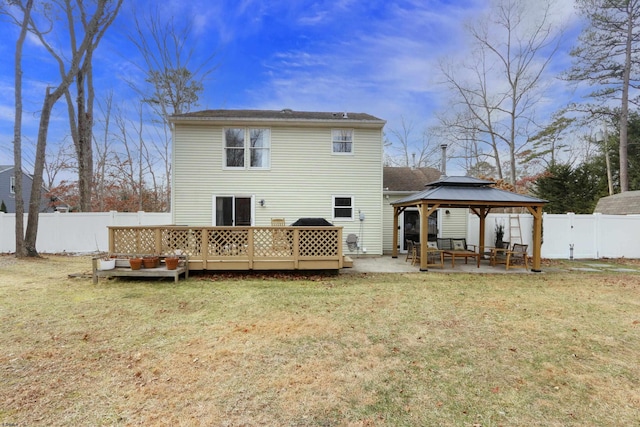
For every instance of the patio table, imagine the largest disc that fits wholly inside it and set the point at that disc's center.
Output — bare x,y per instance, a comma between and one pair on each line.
463,254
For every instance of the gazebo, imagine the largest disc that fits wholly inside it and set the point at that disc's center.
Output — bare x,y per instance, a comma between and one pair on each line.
475,194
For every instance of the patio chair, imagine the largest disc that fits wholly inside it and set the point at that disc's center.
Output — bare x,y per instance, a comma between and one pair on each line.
410,254
518,257
498,255
277,222
435,256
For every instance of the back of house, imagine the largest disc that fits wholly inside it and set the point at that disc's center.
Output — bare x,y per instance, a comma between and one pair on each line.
249,167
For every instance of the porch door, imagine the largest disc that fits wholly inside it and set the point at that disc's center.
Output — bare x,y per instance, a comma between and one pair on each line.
410,227
233,211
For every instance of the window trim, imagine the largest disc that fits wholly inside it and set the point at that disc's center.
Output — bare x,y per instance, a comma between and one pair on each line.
333,141
334,207
246,148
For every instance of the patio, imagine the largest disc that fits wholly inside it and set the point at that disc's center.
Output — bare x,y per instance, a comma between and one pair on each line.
389,264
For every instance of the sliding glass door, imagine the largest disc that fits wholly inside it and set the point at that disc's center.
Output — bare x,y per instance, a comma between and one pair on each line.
232,211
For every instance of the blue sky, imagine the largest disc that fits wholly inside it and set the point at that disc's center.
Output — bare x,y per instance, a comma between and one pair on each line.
378,56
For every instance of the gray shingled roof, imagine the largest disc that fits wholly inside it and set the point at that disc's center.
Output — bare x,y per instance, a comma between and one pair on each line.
407,179
277,115
627,203
466,191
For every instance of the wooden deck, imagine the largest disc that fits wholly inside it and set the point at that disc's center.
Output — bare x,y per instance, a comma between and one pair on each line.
236,248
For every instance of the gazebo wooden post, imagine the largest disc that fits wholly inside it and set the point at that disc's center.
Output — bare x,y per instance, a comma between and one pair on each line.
482,214
396,214
424,234
536,211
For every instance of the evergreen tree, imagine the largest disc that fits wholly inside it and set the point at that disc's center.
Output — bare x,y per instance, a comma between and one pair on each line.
571,190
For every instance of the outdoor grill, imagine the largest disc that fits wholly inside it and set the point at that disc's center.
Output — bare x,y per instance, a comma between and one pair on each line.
312,222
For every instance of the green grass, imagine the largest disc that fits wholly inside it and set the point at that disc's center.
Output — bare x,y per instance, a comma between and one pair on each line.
552,349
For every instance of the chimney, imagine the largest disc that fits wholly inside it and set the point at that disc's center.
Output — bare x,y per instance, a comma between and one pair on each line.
413,163
443,168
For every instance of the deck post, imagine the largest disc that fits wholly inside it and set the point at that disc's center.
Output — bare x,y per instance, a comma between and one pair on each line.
296,248
250,240
340,256
204,247
158,241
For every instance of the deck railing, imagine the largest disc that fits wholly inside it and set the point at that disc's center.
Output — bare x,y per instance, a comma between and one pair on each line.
236,248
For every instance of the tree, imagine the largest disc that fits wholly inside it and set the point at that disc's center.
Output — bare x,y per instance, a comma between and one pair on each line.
81,116
608,57
93,29
548,143
17,130
411,152
570,190
515,45
173,85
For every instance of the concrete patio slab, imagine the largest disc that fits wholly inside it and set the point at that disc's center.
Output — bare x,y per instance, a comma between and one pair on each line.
387,264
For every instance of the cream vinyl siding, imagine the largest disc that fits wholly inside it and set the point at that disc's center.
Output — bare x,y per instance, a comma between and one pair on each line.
455,224
301,182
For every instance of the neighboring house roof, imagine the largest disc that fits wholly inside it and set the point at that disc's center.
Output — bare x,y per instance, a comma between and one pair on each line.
405,179
4,167
285,115
627,203
464,191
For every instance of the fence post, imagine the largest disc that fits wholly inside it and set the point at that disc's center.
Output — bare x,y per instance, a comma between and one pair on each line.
3,238
571,217
597,221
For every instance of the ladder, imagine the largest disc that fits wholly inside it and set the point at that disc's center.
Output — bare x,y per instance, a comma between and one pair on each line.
514,229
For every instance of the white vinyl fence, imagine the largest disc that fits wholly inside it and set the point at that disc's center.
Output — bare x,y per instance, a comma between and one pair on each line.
570,235
590,236
78,232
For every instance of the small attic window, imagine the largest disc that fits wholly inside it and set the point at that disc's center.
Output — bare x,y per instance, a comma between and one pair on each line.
342,141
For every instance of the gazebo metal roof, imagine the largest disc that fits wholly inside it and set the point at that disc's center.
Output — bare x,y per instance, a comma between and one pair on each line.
464,191
476,194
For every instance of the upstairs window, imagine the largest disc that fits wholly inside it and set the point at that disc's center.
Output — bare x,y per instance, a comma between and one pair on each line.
259,148
342,208
12,185
342,141
234,148
244,146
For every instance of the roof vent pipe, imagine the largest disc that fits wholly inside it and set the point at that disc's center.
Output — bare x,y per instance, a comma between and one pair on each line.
413,164
443,169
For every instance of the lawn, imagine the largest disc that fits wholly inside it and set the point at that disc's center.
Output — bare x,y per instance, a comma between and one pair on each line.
420,349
